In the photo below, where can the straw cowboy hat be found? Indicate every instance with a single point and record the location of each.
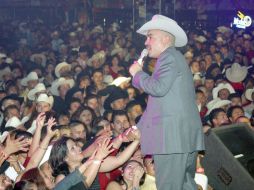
(45, 98)
(61, 66)
(220, 87)
(119, 80)
(216, 103)
(40, 87)
(31, 76)
(248, 94)
(160, 22)
(236, 73)
(100, 56)
(59, 82)
(40, 56)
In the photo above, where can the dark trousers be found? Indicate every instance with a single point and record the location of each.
(175, 171)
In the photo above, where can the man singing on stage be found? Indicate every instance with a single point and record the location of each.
(171, 129)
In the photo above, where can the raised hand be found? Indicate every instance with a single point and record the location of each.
(138, 173)
(40, 120)
(51, 123)
(16, 145)
(104, 149)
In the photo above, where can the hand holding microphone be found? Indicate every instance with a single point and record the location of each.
(137, 66)
(143, 54)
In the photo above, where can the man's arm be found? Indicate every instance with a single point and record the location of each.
(161, 80)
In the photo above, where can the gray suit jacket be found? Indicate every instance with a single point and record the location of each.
(171, 122)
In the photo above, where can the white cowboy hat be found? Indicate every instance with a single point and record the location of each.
(223, 29)
(9, 60)
(236, 73)
(248, 94)
(107, 79)
(41, 56)
(100, 56)
(200, 39)
(216, 103)
(2, 55)
(220, 87)
(45, 98)
(40, 87)
(59, 82)
(116, 51)
(4, 72)
(13, 122)
(166, 24)
(31, 76)
(119, 80)
(97, 29)
(59, 67)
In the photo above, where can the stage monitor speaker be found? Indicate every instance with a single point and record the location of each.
(229, 157)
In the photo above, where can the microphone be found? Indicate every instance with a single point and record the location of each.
(143, 54)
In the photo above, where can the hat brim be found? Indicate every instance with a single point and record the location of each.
(241, 75)
(166, 25)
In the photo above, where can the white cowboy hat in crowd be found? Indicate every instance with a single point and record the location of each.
(200, 39)
(216, 103)
(100, 56)
(119, 80)
(31, 76)
(61, 66)
(13, 122)
(108, 79)
(41, 56)
(4, 72)
(220, 87)
(160, 22)
(9, 60)
(59, 82)
(116, 51)
(248, 94)
(236, 73)
(45, 98)
(3, 55)
(40, 87)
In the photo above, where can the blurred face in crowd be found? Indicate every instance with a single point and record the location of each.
(223, 94)
(97, 78)
(74, 154)
(209, 84)
(120, 124)
(43, 107)
(78, 131)
(236, 101)
(31, 84)
(135, 111)
(220, 119)
(200, 99)
(63, 89)
(86, 117)
(118, 104)
(131, 93)
(237, 112)
(195, 67)
(157, 41)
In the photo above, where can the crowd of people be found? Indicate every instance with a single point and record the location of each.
(69, 111)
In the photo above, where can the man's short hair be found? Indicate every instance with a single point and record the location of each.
(214, 113)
